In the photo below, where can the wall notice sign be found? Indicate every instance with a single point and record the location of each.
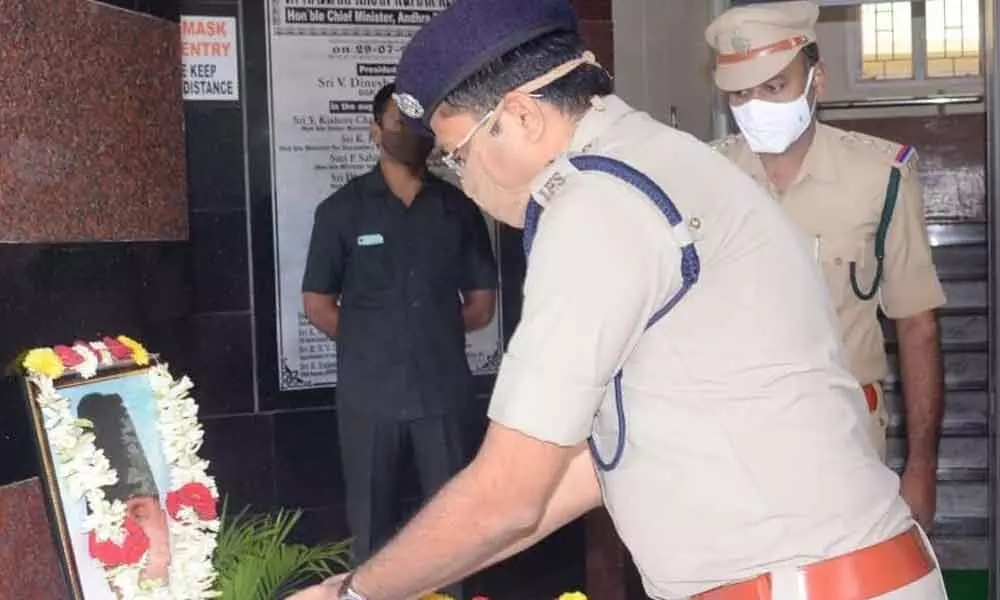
(328, 58)
(210, 58)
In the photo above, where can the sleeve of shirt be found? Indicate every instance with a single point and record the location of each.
(479, 267)
(602, 262)
(909, 282)
(325, 261)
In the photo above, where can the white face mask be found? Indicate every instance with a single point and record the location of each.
(771, 127)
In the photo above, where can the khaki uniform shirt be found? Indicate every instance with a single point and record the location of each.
(746, 444)
(837, 200)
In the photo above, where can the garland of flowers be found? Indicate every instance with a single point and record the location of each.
(115, 539)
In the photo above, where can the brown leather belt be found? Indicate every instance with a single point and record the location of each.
(866, 573)
(871, 396)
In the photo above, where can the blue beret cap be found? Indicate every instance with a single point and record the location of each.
(463, 39)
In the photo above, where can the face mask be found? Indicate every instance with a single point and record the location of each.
(407, 148)
(502, 203)
(771, 127)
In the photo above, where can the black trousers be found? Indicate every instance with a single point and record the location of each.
(372, 448)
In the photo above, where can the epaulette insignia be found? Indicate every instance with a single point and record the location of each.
(904, 154)
(551, 187)
(723, 144)
(894, 153)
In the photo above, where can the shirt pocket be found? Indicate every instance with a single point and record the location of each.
(847, 262)
(369, 276)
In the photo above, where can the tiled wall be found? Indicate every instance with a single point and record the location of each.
(188, 300)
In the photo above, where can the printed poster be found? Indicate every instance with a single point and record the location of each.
(210, 58)
(328, 58)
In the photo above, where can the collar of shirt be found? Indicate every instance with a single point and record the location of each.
(375, 183)
(595, 123)
(820, 162)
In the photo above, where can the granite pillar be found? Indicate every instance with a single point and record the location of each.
(29, 564)
(91, 124)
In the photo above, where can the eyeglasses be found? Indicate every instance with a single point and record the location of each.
(455, 162)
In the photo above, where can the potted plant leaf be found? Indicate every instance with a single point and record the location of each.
(255, 560)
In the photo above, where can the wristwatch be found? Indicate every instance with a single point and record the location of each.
(347, 592)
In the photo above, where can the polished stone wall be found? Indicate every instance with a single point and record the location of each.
(91, 139)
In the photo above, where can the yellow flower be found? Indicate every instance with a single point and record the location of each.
(436, 596)
(44, 361)
(573, 596)
(139, 354)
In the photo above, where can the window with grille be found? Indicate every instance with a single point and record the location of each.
(933, 39)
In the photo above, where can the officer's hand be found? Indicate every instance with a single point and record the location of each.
(919, 489)
(336, 580)
(327, 590)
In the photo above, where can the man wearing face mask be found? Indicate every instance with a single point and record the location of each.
(677, 359)
(858, 199)
(400, 266)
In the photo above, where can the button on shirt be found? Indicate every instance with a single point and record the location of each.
(747, 447)
(836, 200)
(399, 272)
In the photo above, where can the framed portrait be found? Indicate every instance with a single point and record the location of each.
(132, 506)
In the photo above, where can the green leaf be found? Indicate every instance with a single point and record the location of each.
(255, 560)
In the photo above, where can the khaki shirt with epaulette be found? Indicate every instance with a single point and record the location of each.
(746, 444)
(837, 201)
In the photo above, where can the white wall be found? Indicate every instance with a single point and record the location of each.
(661, 60)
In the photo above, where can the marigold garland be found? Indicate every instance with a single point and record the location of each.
(139, 354)
(44, 361)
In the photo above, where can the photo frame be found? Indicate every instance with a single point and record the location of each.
(132, 507)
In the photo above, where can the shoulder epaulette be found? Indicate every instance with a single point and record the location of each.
(892, 153)
(723, 144)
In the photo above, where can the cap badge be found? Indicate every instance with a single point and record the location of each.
(739, 43)
(409, 106)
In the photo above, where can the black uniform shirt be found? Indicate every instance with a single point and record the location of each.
(399, 271)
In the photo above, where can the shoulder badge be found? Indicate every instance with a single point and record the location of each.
(726, 144)
(904, 154)
(551, 187)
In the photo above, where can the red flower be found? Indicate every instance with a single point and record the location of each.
(130, 552)
(195, 495)
(69, 357)
(117, 349)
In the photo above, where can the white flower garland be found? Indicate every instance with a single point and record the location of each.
(86, 470)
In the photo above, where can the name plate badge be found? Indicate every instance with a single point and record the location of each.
(371, 239)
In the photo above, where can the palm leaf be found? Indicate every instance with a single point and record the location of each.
(255, 560)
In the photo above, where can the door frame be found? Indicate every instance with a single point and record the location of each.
(991, 50)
